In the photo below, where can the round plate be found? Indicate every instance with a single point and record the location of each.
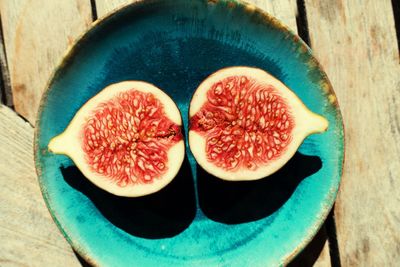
(197, 220)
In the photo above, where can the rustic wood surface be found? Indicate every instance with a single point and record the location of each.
(105, 6)
(36, 35)
(355, 42)
(357, 45)
(28, 235)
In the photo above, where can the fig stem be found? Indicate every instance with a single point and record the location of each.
(57, 145)
(318, 124)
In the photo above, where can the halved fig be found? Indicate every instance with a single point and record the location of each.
(245, 124)
(127, 139)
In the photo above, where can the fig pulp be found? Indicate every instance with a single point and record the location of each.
(127, 139)
(245, 124)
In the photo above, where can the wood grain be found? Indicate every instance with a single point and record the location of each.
(356, 43)
(28, 235)
(36, 34)
(284, 10)
(106, 6)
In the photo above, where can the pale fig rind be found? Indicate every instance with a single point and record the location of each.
(300, 123)
(71, 141)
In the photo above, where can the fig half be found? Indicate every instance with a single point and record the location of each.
(127, 139)
(245, 124)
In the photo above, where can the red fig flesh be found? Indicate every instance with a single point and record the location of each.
(245, 124)
(127, 139)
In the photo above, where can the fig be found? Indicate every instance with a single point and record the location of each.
(127, 139)
(244, 124)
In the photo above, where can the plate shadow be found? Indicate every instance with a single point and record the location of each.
(245, 201)
(160, 215)
(312, 252)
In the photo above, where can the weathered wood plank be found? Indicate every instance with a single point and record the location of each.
(284, 10)
(356, 43)
(36, 34)
(106, 6)
(28, 235)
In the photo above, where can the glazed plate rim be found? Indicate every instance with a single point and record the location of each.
(74, 48)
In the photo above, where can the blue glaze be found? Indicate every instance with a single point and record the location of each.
(176, 45)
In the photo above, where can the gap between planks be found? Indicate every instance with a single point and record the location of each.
(396, 15)
(330, 227)
(5, 86)
(357, 46)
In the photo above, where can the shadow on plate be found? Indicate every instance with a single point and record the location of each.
(156, 215)
(160, 215)
(240, 202)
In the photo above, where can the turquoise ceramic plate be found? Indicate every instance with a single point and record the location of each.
(197, 220)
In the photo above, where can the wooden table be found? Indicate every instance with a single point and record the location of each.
(354, 40)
